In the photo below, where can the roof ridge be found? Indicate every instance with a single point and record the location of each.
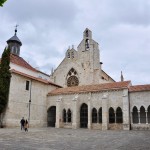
(21, 62)
(33, 78)
(139, 88)
(91, 88)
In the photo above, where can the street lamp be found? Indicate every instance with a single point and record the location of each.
(29, 103)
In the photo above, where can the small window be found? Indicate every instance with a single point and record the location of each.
(68, 54)
(87, 44)
(27, 85)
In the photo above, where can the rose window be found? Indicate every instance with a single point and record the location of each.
(72, 78)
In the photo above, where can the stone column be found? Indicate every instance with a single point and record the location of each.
(58, 112)
(126, 116)
(146, 117)
(139, 116)
(105, 111)
(75, 113)
(89, 111)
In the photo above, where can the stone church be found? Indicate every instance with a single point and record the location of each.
(77, 94)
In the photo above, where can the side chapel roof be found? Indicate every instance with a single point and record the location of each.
(91, 88)
(139, 88)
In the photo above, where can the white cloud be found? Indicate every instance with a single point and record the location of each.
(47, 28)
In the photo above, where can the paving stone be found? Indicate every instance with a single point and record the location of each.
(70, 139)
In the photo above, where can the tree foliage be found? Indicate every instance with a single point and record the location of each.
(2, 2)
(5, 77)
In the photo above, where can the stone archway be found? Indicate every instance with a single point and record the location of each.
(84, 116)
(51, 116)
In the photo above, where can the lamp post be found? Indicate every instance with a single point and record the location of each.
(29, 103)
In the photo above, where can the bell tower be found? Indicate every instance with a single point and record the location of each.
(88, 55)
(14, 43)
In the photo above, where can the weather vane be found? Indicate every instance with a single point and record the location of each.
(16, 28)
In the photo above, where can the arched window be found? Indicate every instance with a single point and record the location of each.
(142, 115)
(64, 115)
(94, 115)
(111, 115)
(135, 115)
(100, 115)
(69, 115)
(148, 114)
(119, 115)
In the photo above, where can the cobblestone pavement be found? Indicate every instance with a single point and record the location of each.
(71, 139)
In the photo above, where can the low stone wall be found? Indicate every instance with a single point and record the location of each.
(97, 126)
(67, 125)
(115, 126)
(140, 126)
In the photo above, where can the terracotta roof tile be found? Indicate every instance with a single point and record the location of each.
(91, 88)
(21, 62)
(138, 88)
(34, 78)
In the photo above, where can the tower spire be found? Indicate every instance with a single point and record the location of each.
(122, 78)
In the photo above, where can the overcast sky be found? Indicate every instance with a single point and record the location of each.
(48, 27)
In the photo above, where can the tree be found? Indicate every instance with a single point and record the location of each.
(2, 2)
(5, 77)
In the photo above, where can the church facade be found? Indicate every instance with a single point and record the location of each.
(77, 94)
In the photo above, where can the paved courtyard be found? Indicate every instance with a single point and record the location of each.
(70, 139)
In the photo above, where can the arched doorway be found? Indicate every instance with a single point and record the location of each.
(84, 116)
(111, 115)
(51, 116)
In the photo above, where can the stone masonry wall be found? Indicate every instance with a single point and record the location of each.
(18, 105)
(139, 99)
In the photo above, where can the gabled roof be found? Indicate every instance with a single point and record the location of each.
(34, 78)
(108, 75)
(139, 88)
(91, 88)
(20, 62)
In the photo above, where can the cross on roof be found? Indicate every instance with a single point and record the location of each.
(16, 28)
